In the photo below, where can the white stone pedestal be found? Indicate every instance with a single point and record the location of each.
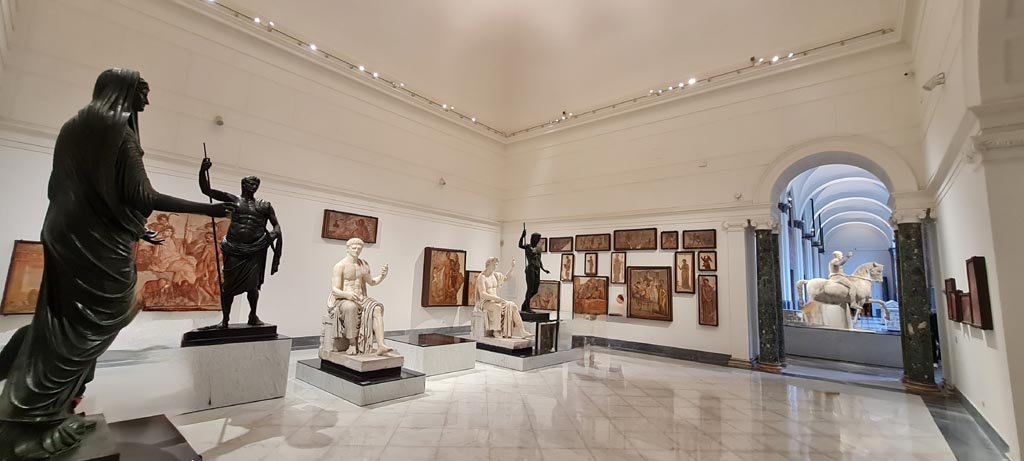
(360, 390)
(528, 362)
(364, 363)
(434, 353)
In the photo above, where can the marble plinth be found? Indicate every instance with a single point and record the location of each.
(364, 363)
(135, 384)
(528, 362)
(358, 389)
(505, 343)
(433, 353)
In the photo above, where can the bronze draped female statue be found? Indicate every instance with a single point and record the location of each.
(100, 197)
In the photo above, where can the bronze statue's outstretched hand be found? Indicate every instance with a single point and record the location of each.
(151, 237)
(546, 271)
(205, 166)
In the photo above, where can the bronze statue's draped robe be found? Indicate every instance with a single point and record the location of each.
(100, 198)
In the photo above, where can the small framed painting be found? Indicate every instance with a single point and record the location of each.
(444, 274)
(594, 242)
(590, 264)
(707, 302)
(548, 297)
(636, 239)
(560, 244)
(977, 283)
(339, 225)
(567, 268)
(684, 272)
(470, 286)
(699, 239)
(648, 293)
(542, 245)
(24, 277)
(618, 267)
(670, 240)
(707, 261)
(952, 300)
(590, 295)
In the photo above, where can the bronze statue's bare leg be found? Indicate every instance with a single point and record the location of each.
(254, 299)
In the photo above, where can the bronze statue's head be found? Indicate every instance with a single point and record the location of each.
(250, 184)
(534, 239)
(141, 99)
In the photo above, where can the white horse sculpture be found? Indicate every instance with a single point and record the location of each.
(830, 291)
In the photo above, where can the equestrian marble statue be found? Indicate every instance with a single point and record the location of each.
(849, 291)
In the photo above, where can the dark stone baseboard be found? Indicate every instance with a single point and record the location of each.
(978, 418)
(313, 342)
(712, 358)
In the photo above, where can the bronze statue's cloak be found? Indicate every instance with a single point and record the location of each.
(100, 198)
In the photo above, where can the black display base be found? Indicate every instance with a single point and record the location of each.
(234, 333)
(153, 438)
(362, 379)
(535, 316)
(524, 352)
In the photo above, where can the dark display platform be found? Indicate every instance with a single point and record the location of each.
(99, 445)
(535, 316)
(151, 439)
(234, 333)
(429, 339)
(361, 379)
(524, 352)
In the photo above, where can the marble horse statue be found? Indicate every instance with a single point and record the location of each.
(851, 291)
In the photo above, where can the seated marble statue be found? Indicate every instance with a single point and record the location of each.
(501, 316)
(354, 322)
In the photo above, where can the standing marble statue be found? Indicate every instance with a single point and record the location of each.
(533, 266)
(100, 197)
(245, 245)
(501, 317)
(354, 322)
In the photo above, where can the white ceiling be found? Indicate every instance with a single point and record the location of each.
(843, 196)
(515, 63)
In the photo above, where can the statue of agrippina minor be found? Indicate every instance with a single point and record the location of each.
(245, 246)
(100, 197)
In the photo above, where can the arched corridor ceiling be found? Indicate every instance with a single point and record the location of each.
(845, 198)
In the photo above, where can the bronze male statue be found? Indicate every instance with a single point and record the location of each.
(533, 266)
(245, 246)
(100, 197)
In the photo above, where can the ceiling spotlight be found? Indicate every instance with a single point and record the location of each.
(670, 87)
(473, 119)
(362, 68)
(375, 75)
(401, 85)
(681, 85)
(650, 92)
(570, 114)
(790, 55)
(444, 106)
(775, 58)
(692, 80)
(759, 61)
(312, 46)
(256, 20)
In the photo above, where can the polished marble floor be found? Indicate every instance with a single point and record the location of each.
(609, 406)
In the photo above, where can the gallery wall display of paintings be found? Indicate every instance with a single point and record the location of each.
(24, 275)
(974, 307)
(560, 244)
(618, 267)
(444, 274)
(707, 261)
(684, 272)
(470, 287)
(670, 240)
(707, 300)
(594, 242)
(699, 239)
(590, 295)
(567, 268)
(548, 297)
(339, 225)
(636, 239)
(590, 264)
(648, 295)
(181, 274)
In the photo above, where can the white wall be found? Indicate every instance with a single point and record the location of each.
(316, 139)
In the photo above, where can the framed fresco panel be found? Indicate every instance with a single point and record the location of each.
(590, 264)
(977, 283)
(560, 244)
(180, 274)
(618, 267)
(707, 261)
(594, 242)
(339, 225)
(952, 300)
(636, 239)
(590, 295)
(567, 268)
(670, 240)
(542, 245)
(684, 269)
(707, 302)
(470, 286)
(444, 274)
(699, 239)
(648, 292)
(548, 297)
(24, 277)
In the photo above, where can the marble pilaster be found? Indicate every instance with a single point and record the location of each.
(915, 308)
(769, 308)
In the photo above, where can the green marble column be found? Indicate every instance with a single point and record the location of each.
(915, 309)
(769, 297)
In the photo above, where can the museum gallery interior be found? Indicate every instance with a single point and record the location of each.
(511, 230)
